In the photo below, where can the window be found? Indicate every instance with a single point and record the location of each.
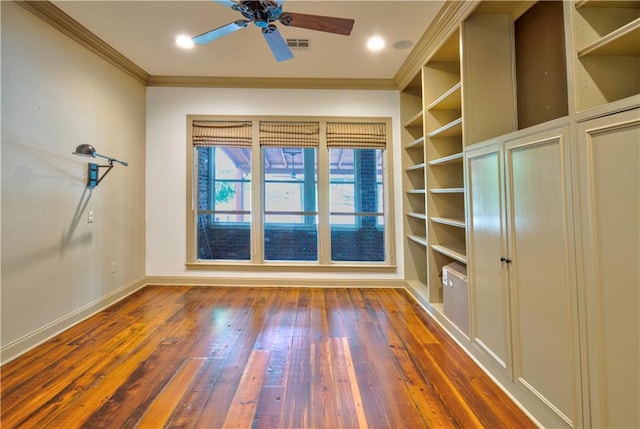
(290, 177)
(289, 192)
(357, 215)
(222, 152)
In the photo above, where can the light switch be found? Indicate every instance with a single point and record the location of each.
(90, 216)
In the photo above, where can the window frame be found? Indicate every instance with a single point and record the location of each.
(257, 262)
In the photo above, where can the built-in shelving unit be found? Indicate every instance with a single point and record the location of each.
(607, 51)
(444, 167)
(414, 184)
(505, 100)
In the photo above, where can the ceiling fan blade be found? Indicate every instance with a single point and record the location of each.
(327, 24)
(276, 42)
(220, 31)
(228, 3)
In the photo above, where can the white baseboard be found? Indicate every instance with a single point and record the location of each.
(24, 344)
(274, 282)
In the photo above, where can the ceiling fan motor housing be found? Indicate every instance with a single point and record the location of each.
(261, 13)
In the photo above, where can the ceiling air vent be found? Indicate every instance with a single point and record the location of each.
(298, 43)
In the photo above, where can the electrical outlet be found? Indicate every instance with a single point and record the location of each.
(113, 267)
(90, 216)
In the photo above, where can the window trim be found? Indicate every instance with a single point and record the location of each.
(257, 262)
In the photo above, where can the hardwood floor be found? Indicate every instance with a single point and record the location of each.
(182, 357)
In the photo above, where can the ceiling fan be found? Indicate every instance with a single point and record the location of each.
(264, 13)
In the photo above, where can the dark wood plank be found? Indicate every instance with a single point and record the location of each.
(193, 357)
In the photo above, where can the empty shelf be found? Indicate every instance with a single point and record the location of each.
(457, 252)
(420, 240)
(449, 221)
(447, 191)
(417, 215)
(453, 128)
(621, 42)
(417, 143)
(416, 167)
(416, 191)
(415, 121)
(451, 159)
(450, 100)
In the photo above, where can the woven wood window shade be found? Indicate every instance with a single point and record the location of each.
(222, 133)
(356, 135)
(289, 134)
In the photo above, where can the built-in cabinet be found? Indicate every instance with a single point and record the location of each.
(608, 158)
(489, 292)
(528, 172)
(522, 266)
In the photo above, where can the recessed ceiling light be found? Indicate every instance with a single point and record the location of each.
(375, 43)
(184, 42)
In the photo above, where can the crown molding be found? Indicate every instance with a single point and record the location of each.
(452, 13)
(55, 17)
(278, 83)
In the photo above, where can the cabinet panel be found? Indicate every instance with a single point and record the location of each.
(609, 164)
(542, 275)
(488, 285)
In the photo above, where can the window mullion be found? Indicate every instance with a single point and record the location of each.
(257, 196)
(324, 229)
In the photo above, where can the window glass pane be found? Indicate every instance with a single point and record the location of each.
(289, 241)
(224, 203)
(357, 205)
(361, 242)
(284, 196)
(218, 240)
(290, 204)
(343, 201)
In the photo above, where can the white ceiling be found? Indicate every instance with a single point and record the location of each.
(145, 32)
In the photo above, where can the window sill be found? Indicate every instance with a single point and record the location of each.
(294, 267)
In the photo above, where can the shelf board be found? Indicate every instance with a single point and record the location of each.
(625, 4)
(415, 121)
(417, 143)
(450, 100)
(457, 252)
(417, 215)
(416, 191)
(448, 221)
(622, 42)
(451, 159)
(447, 191)
(453, 128)
(416, 167)
(420, 240)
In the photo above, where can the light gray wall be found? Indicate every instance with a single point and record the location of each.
(56, 267)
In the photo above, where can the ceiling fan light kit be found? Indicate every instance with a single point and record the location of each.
(264, 14)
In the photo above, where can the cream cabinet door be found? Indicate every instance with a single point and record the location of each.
(609, 172)
(487, 243)
(542, 273)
